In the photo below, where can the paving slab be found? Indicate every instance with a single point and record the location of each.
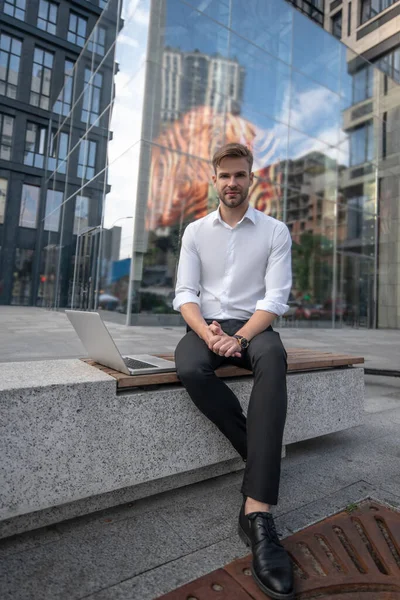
(85, 561)
(148, 586)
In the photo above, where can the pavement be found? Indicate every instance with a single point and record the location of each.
(28, 333)
(144, 549)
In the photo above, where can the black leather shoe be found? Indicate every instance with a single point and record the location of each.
(271, 567)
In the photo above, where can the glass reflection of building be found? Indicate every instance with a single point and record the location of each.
(158, 87)
(192, 79)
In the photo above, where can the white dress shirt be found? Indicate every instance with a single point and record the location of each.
(237, 270)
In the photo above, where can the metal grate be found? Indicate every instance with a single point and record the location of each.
(352, 555)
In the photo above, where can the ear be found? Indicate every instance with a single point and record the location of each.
(251, 178)
(214, 180)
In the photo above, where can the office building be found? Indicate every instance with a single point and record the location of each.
(372, 29)
(47, 59)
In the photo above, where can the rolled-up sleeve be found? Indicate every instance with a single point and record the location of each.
(278, 276)
(188, 279)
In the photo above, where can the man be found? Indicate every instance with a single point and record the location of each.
(234, 278)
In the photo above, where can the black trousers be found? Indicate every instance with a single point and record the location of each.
(259, 439)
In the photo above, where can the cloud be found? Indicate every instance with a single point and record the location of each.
(314, 123)
(128, 41)
(142, 16)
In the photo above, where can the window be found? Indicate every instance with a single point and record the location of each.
(47, 16)
(21, 292)
(77, 29)
(81, 219)
(36, 143)
(97, 41)
(87, 159)
(15, 8)
(356, 217)
(362, 84)
(62, 105)
(337, 25)
(29, 206)
(371, 8)
(91, 97)
(58, 151)
(102, 3)
(312, 8)
(54, 200)
(349, 18)
(384, 135)
(3, 198)
(41, 78)
(390, 64)
(6, 132)
(10, 52)
(362, 144)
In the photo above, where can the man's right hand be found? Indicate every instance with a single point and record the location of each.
(213, 334)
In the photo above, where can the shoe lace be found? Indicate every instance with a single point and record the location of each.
(267, 526)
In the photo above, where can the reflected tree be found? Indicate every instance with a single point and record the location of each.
(312, 265)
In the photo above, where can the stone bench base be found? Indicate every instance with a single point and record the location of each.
(70, 445)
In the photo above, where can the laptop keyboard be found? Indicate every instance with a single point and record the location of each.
(132, 363)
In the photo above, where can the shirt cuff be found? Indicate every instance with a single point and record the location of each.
(183, 298)
(274, 307)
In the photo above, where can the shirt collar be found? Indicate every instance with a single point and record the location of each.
(250, 214)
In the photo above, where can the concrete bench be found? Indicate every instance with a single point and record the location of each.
(75, 439)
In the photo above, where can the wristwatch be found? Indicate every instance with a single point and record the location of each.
(243, 343)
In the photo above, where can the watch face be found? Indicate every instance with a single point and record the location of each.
(243, 343)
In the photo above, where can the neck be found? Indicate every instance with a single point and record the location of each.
(232, 216)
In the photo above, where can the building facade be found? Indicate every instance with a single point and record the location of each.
(42, 70)
(175, 81)
(372, 29)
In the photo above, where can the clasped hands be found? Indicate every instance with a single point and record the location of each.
(220, 342)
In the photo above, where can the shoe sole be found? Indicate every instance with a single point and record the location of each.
(264, 588)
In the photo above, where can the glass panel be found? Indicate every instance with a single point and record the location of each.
(22, 271)
(255, 80)
(43, 9)
(53, 203)
(188, 30)
(267, 25)
(3, 198)
(315, 109)
(218, 10)
(29, 206)
(81, 218)
(315, 52)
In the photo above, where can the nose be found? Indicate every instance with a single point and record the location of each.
(232, 181)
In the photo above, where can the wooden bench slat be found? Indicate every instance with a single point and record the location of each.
(299, 359)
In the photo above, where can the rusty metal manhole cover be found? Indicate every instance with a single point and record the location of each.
(354, 555)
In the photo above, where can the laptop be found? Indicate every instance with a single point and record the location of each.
(101, 348)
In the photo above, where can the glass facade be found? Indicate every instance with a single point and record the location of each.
(161, 84)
